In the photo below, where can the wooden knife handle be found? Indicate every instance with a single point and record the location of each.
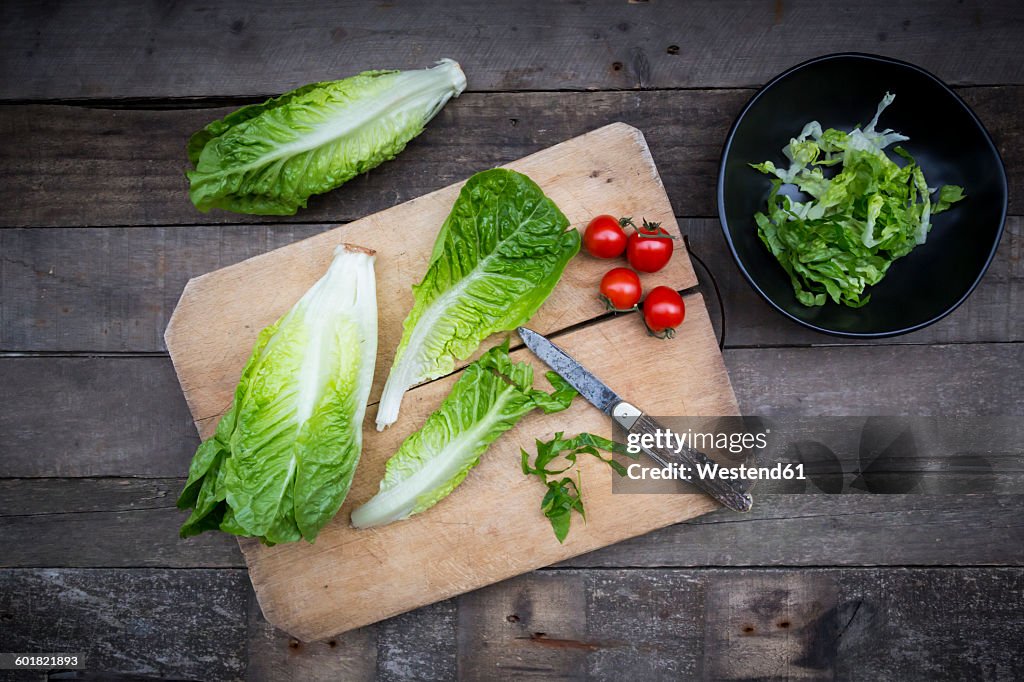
(636, 422)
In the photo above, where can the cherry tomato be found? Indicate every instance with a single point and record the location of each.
(649, 248)
(604, 237)
(664, 310)
(620, 289)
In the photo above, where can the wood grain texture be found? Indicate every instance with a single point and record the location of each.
(56, 413)
(814, 530)
(418, 646)
(74, 50)
(103, 523)
(87, 168)
(744, 624)
(883, 380)
(204, 625)
(214, 326)
(120, 619)
(56, 427)
(113, 289)
(668, 624)
(132, 523)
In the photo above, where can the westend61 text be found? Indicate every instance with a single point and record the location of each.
(714, 471)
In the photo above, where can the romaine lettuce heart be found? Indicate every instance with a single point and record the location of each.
(270, 158)
(282, 459)
(498, 256)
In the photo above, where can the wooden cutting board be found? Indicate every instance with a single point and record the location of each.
(491, 527)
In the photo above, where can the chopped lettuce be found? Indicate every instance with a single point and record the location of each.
(857, 221)
(270, 158)
(496, 259)
(282, 458)
(492, 394)
(564, 494)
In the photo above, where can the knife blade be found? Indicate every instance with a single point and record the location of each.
(578, 376)
(632, 419)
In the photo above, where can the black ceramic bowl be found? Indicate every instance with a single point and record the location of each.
(946, 139)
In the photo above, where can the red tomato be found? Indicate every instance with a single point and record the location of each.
(649, 248)
(620, 289)
(664, 310)
(604, 237)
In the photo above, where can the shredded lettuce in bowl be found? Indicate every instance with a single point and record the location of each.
(857, 221)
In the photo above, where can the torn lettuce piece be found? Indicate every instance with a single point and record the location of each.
(490, 397)
(564, 494)
(270, 158)
(282, 458)
(857, 221)
(498, 256)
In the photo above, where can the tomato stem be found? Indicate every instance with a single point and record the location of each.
(611, 306)
(669, 333)
(651, 231)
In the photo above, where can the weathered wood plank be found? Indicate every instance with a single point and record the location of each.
(274, 655)
(745, 624)
(86, 167)
(103, 522)
(861, 530)
(93, 417)
(113, 289)
(76, 50)
(980, 380)
(659, 624)
(416, 646)
(537, 626)
(41, 497)
(184, 624)
(204, 625)
(71, 416)
(133, 523)
(92, 166)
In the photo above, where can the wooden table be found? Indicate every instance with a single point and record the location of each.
(99, 238)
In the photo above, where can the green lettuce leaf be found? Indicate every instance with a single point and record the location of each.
(490, 397)
(497, 257)
(281, 460)
(857, 222)
(565, 495)
(270, 158)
